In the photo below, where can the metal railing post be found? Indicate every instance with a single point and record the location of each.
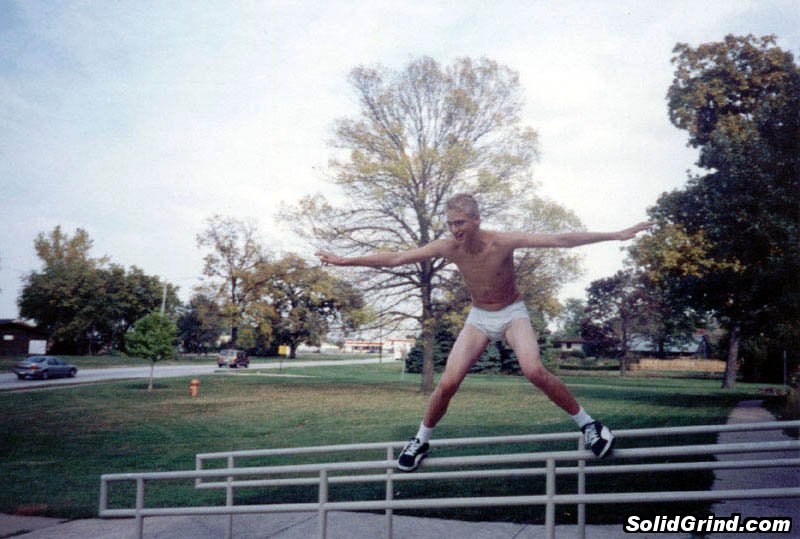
(581, 490)
(198, 465)
(550, 508)
(229, 500)
(103, 494)
(389, 493)
(139, 507)
(323, 500)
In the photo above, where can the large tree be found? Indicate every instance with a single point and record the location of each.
(670, 262)
(127, 296)
(233, 266)
(421, 134)
(200, 324)
(62, 297)
(85, 303)
(307, 300)
(739, 101)
(615, 312)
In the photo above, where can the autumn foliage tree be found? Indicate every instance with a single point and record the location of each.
(615, 311)
(308, 301)
(421, 134)
(739, 102)
(233, 263)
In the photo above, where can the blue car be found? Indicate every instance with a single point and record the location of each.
(43, 367)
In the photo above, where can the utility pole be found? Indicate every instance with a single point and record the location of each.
(785, 377)
(164, 300)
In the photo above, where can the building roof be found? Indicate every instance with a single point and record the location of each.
(23, 327)
(19, 323)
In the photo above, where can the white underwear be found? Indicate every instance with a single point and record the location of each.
(494, 324)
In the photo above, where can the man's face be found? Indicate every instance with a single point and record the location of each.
(461, 225)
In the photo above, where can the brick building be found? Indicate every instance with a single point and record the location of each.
(19, 338)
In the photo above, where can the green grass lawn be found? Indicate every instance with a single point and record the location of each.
(55, 444)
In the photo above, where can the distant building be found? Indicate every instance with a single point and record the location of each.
(20, 338)
(364, 347)
(697, 346)
(323, 348)
(568, 344)
(396, 347)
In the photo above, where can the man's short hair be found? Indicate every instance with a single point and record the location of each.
(463, 202)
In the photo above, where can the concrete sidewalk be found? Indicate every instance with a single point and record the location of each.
(305, 526)
(343, 525)
(754, 412)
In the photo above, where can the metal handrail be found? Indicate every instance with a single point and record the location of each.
(550, 499)
(480, 460)
(519, 439)
(515, 472)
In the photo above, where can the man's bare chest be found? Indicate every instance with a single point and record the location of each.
(486, 267)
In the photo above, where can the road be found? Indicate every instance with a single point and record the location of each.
(11, 382)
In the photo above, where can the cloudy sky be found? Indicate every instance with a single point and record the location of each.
(137, 120)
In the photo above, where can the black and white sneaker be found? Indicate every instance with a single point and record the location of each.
(412, 455)
(598, 438)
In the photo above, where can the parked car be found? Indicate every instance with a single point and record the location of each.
(233, 358)
(44, 367)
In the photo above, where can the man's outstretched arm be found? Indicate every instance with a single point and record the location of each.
(385, 259)
(574, 239)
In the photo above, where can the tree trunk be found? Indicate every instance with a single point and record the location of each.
(732, 363)
(234, 335)
(623, 361)
(426, 386)
(152, 368)
(293, 351)
(623, 364)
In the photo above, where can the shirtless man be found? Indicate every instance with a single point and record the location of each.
(485, 259)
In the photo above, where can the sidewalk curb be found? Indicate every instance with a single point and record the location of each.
(14, 525)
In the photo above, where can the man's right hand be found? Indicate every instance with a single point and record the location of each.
(327, 257)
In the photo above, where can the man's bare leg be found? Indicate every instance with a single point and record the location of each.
(469, 346)
(522, 338)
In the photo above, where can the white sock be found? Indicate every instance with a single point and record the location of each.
(424, 433)
(582, 418)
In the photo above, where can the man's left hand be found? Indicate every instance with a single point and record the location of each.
(631, 232)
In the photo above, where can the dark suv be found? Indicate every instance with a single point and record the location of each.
(233, 358)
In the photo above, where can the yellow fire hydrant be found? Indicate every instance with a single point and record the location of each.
(194, 387)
